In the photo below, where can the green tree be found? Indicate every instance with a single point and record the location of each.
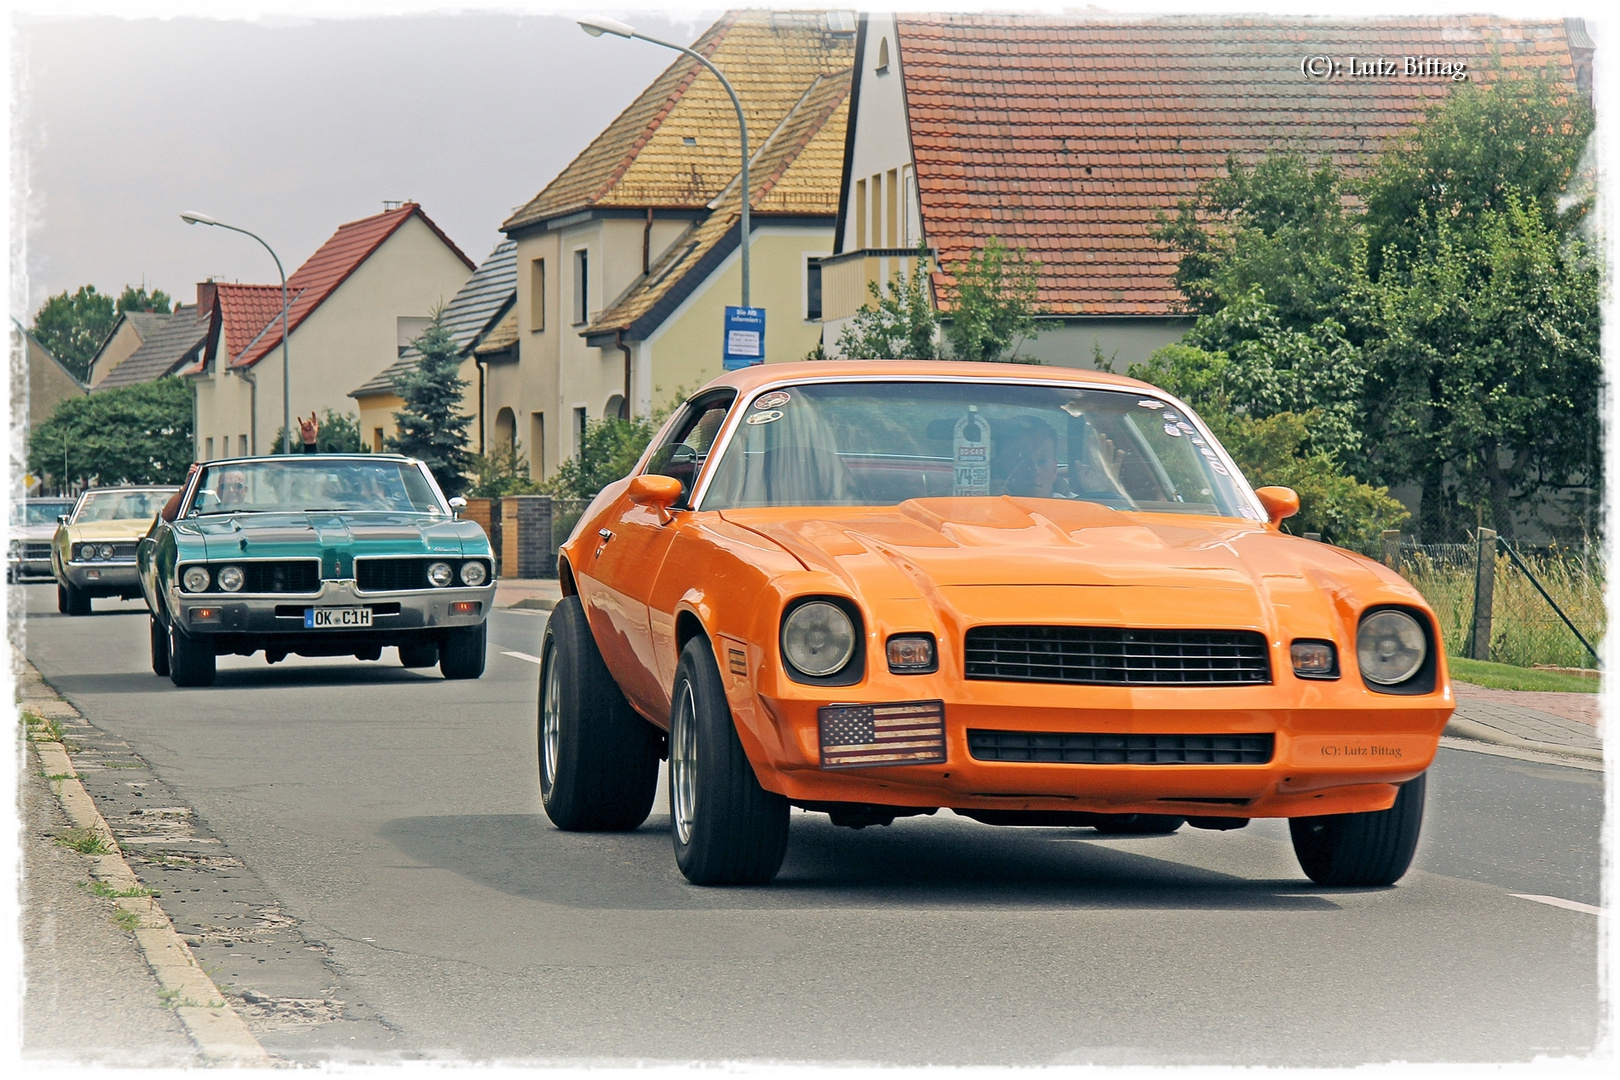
(993, 306)
(137, 434)
(136, 298)
(1488, 374)
(1519, 137)
(502, 471)
(609, 449)
(431, 425)
(1281, 226)
(72, 327)
(899, 321)
(1280, 447)
(339, 434)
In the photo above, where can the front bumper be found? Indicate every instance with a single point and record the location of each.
(1336, 747)
(110, 576)
(280, 616)
(18, 567)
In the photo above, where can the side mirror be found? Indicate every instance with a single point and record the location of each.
(1280, 503)
(61, 519)
(457, 505)
(652, 489)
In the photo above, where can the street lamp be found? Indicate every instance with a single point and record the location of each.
(597, 25)
(191, 218)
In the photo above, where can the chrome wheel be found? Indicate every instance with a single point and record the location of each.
(550, 720)
(683, 764)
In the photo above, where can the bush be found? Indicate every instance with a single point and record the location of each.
(609, 449)
(502, 471)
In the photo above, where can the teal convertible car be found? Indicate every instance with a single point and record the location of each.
(317, 555)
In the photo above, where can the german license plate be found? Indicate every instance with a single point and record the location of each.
(336, 618)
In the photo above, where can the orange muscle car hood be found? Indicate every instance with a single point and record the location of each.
(951, 543)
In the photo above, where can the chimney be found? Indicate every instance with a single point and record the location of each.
(206, 291)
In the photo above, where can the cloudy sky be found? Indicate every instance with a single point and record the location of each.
(290, 128)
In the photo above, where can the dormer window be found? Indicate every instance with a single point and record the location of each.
(883, 57)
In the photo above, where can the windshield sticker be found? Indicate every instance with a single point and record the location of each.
(1171, 429)
(1186, 427)
(1218, 467)
(1207, 452)
(1196, 441)
(774, 400)
(1149, 403)
(765, 417)
(971, 446)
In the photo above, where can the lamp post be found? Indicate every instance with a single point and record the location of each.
(286, 378)
(597, 25)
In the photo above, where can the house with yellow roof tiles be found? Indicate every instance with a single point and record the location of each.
(627, 260)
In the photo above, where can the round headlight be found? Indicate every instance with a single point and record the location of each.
(439, 574)
(473, 573)
(87, 551)
(818, 638)
(230, 578)
(107, 551)
(1390, 647)
(195, 579)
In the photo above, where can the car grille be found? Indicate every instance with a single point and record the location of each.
(121, 552)
(37, 549)
(292, 576)
(1081, 748)
(1105, 656)
(397, 575)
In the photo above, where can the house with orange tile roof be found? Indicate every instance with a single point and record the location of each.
(354, 305)
(627, 259)
(1066, 136)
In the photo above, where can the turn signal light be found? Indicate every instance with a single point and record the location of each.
(912, 654)
(1315, 659)
(465, 607)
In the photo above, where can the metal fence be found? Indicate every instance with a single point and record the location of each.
(1521, 604)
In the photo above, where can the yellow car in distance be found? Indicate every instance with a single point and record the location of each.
(93, 552)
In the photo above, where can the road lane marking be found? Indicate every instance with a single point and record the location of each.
(522, 656)
(1558, 901)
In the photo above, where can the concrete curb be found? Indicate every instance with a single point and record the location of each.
(1469, 729)
(208, 1018)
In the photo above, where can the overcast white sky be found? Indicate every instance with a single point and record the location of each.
(291, 129)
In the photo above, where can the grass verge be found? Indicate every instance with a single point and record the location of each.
(1508, 677)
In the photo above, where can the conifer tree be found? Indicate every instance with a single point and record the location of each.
(432, 426)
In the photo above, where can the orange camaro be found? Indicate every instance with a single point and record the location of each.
(1033, 596)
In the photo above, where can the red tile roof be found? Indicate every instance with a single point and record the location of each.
(1065, 136)
(245, 313)
(328, 268)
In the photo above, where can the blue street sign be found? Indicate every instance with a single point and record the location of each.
(745, 337)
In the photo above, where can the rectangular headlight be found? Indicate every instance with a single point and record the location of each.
(912, 654)
(1314, 659)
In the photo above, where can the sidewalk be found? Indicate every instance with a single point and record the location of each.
(1564, 724)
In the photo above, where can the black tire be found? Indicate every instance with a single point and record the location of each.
(462, 656)
(191, 660)
(598, 760)
(1368, 849)
(72, 600)
(1139, 824)
(727, 829)
(420, 654)
(160, 646)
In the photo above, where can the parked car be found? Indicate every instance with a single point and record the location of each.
(316, 555)
(1034, 596)
(33, 524)
(93, 551)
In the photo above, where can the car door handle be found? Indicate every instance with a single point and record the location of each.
(606, 535)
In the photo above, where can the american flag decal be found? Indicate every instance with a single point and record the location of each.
(902, 733)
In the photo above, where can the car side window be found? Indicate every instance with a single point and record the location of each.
(683, 453)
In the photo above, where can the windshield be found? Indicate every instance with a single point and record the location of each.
(45, 513)
(877, 444)
(294, 485)
(120, 505)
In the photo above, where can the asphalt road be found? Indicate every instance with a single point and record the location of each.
(399, 893)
